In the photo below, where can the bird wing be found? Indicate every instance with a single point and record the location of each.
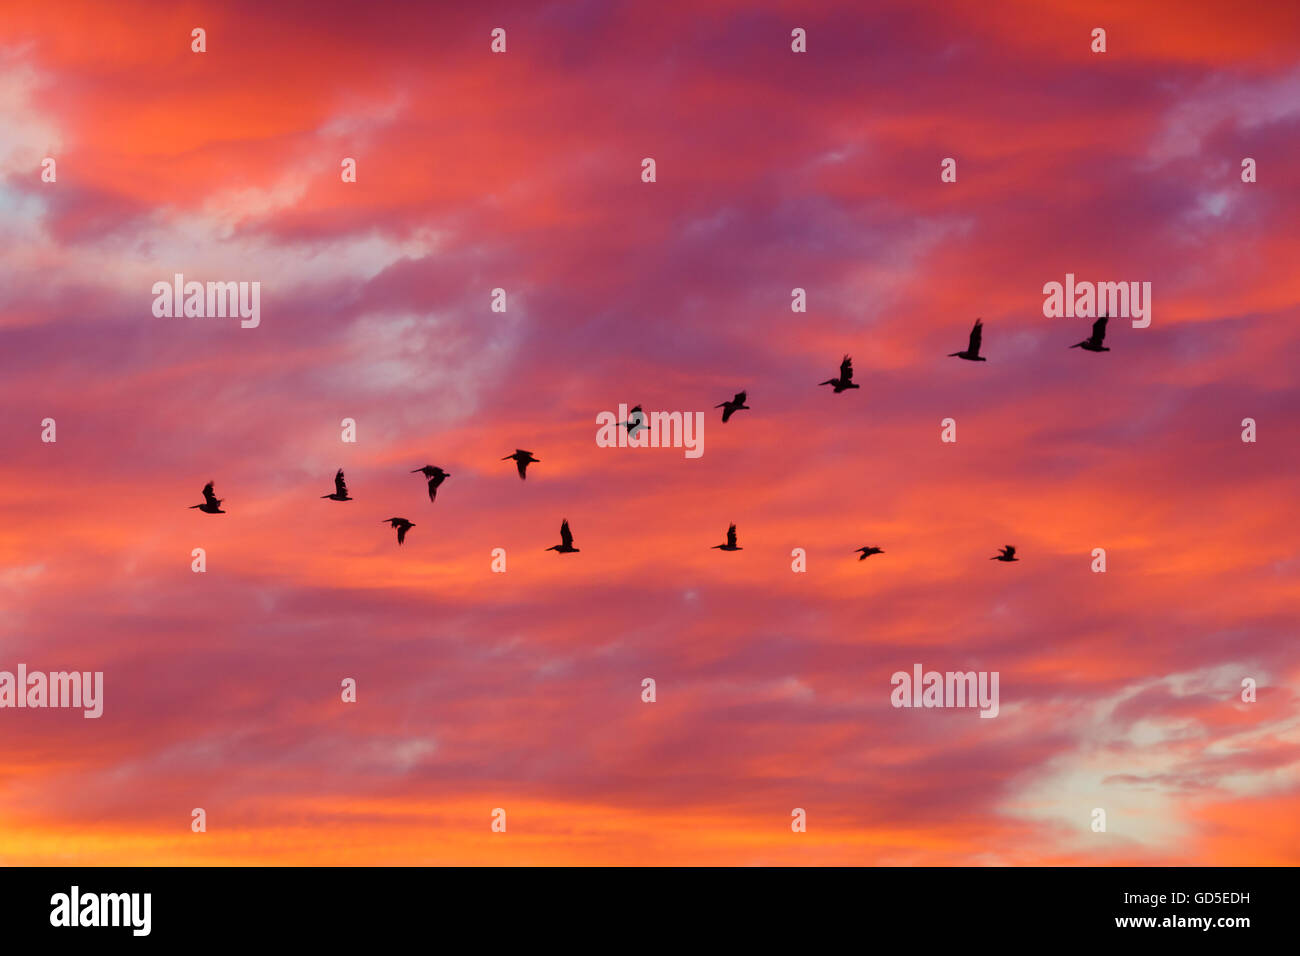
(846, 369)
(521, 464)
(208, 496)
(1099, 329)
(739, 399)
(731, 536)
(1010, 550)
(566, 536)
(401, 532)
(976, 336)
(340, 486)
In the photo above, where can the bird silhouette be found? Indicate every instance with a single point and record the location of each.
(1008, 554)
(436, 477)
(211, 503)
(972, 353)
(733, 406)
(340, 489)
(566, 540)
(1093, 342)
(402, 526)
(731, 541)
(868, 552)
(846, 377)
(522, 460)
(635, 420)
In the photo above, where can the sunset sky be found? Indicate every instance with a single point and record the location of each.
(522, 690)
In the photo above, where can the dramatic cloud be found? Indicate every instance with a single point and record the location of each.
(521, 690)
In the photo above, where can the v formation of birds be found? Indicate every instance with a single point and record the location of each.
(434, 475)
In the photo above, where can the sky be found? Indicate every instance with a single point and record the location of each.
(522, 690)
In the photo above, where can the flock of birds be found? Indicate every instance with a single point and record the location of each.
(435, 476)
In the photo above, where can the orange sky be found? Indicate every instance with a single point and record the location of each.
(522, 690)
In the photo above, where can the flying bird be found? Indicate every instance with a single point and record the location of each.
(522, 460)
(436, 477)
(1008, 554)
(733, 406)
(731, 541)
(1093, 342)
(972, 353)
(211, 503)
(846, 377)
(566, 540)
(635, 420)
(402, 526)
(340, 489)
(868, 552)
